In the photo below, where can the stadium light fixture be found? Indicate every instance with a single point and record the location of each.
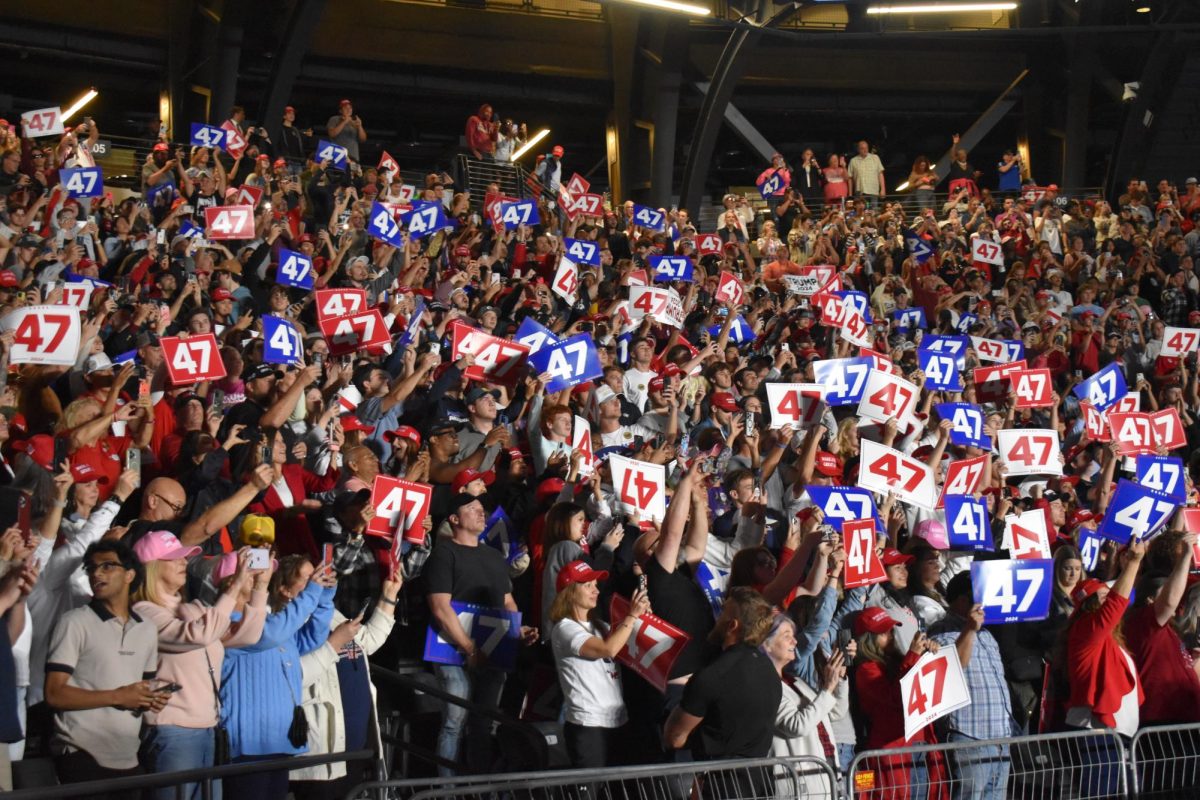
(902, 187)
(672, 5)
(525, 148)
(80, 103)
(941, 8)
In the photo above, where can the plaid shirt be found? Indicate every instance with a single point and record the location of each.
(989, 716)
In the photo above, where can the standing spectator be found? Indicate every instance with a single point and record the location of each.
(877, 675)
(837, 183)
(481, 134)
(292, 143)
(192, 638)
(808, 180)
(98, 672)
(261, 687)
(731, 704)
(921, 182)
(346, 129)
(778, 169)
(802, 725)
(460, 569)
(549, 171)
(339, 698)
(866, 176)
(584, 649)
(1162, 661)
(1010, 173)
(982, 770)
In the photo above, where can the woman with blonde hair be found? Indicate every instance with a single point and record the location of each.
(191, 649)
(584, 652)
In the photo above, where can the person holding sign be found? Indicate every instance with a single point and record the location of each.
(585, 650)
(982, 771)
(877, 675)
(461, 569)
(1104, 689)
(1156, 647)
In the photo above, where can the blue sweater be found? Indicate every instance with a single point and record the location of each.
(256, 705)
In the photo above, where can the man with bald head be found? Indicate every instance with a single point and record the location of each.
(164, 502)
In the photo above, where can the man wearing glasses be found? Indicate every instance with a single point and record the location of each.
(99, 672)
(164, 503)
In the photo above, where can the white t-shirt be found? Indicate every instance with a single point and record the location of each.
(637, 386)
(591, 687)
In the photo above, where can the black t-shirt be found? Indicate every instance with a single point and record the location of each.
(476, 574)
(678, 599)
(738, 696)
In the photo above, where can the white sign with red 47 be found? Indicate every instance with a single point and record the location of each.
(797, 404)
(44, 335)
(986, 251)
(1030, 451)
(883, 470)
(42, 122)
(1178, 342)
(888, 396)
(194, 359)
(934, 687)
(640, 486)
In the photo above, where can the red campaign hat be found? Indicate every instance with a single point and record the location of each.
(669, 370)
(86, 473)
(891, 557)
(873, 620)
(1163, 365)
(8, 279)
(577, 572)
(462, 250)
(404, 432)
(1194, 317)
(280, 163)
(1079, 517)
(40, 448)
(344, 102)
(829, 464)
(516, 452)
(657, 384)
(161, 147)
(350, 422)
(1085, 589)
(263, 157)
(724, 401)
(470, 474)
(558, 151)
(220, 294)
(286, 109)
(548, 488)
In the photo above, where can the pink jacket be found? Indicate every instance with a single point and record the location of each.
(186, 633)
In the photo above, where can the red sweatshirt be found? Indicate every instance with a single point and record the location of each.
(1098, 671)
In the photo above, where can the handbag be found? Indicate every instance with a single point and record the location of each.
(298, 730)
(221, 748)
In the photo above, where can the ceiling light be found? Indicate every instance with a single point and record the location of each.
(537, 137)
(80, 103)
(1142, 9)
(672, 5)
(941, 8)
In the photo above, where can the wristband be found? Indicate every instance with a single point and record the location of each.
(387, 600)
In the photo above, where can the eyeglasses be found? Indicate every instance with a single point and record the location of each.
(103, 566)
(176, 507)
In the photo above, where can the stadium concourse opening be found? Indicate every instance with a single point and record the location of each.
(396, 401)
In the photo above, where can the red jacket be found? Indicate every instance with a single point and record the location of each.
(1098, 671)
(292, 534)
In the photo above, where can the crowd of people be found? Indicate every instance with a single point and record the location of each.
(149, 628)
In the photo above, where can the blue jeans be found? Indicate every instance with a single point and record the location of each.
(176, 749)
(918, 776)
(981, 772)
(845, 754)
(478, 686)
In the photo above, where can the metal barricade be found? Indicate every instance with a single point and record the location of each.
(1078, 765)
(753, 779)
(1164, 762)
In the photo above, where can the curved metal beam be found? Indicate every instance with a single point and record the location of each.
(300, 27)
(725, 78)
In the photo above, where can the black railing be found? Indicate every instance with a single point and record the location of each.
(132, 786)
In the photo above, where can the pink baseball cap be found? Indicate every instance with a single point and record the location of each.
(162, 546)
(934, 532)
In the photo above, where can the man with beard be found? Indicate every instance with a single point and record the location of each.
(731, 703)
